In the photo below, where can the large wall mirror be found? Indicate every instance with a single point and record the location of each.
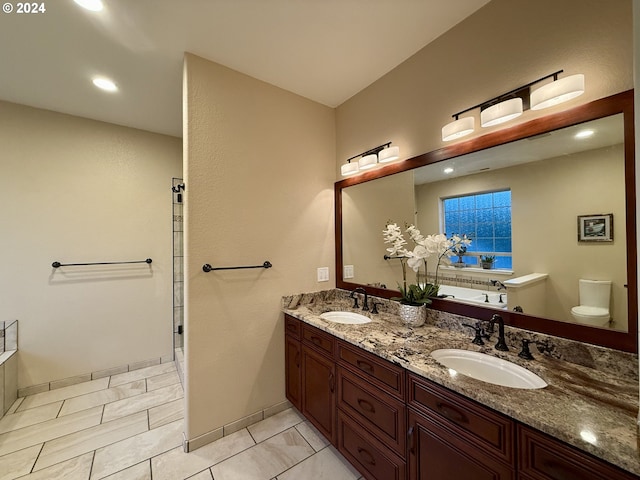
(553, 199)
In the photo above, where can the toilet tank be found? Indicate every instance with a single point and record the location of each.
(595, 293)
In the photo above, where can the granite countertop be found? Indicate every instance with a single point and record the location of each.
(593, 409)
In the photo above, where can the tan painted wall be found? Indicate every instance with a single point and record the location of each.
(366, 209)
(77, 190)
(546, 198)
(259, 178)
(504, 45)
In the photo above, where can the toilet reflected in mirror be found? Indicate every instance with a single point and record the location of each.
(594, 303)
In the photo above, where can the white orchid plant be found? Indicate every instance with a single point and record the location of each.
(437, 245)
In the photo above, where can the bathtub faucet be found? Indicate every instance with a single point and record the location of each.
(499, 284)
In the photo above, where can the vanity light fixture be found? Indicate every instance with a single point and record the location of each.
(370, 159)
(458, 128)
(557, 91)
(501, 112)
(512, 104)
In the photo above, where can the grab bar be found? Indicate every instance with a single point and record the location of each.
(208, 268)
(58, 264)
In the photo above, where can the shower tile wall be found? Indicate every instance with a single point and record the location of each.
(178, 266)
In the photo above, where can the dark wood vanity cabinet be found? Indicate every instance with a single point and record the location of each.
(542, 457)
(310, 377)
(395, 425)
(452, 438)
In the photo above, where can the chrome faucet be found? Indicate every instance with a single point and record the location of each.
(499, 284)
(501, 345)
(365, 307)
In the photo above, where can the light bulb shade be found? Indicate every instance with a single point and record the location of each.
(349, 169)
(368, 161)
(501, 112)
(458, 128)
(389, 154)
(557, 92)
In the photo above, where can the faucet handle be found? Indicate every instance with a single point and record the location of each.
(374, 308)
(525, 352)
(477, 340)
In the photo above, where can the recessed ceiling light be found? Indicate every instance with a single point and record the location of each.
(105, 84)
(584, 133)
(93, 5)
(448, 170)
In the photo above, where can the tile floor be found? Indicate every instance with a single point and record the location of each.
(129, 427)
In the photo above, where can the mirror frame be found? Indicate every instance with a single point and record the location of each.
(618, 103)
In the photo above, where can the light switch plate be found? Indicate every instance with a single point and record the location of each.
(323, 274)
(348, 271)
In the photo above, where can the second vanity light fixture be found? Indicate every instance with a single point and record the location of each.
(384, 153)
(510, 105)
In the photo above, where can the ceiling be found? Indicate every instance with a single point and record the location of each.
(324, 50)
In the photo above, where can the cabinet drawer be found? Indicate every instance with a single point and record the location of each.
(380, 413)
(292, 326)
(369, 456)
(318, 339)
(387, 376)
(478, 424)
(545, 458)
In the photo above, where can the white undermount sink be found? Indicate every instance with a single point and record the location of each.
(351, 318)
(488, 369)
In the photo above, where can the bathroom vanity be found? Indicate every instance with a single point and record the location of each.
(375, 393)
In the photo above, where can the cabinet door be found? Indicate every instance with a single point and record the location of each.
(436, 453)
(293, 371)
(318, 391)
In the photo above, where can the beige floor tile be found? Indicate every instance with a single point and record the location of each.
(62, 393)
(102, 397)
(275, 424)
(45, 431)
(141, 471)
(69, 446)
(15, 406)
(312, 435)
(18, 463)
(205, 475)
(136, 449)
(166, 413)
(177, 464)
(134, 375)
(18, 420)
(75, 469)
(327, 464)
(141, 402)
(164, 380)
(265, 460)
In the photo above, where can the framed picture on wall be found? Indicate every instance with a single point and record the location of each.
(595, 228)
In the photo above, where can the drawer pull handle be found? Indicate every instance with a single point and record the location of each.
(366, 456)
(562, 470)
(332, 382)
(412, 440)
(365, 405)
(451, 413)
(362, 365)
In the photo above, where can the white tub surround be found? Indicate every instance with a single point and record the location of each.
(528, 292)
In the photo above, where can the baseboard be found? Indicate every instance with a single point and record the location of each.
(218, 433)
